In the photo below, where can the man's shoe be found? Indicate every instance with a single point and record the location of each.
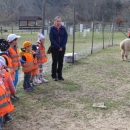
(17, 98)
(7, 119)
(55, 78)
(28, 89)
(60, 78)
(13, 98)
(34, 84)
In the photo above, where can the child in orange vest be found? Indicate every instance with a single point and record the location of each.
(35, 71)
(8, 79)
(9, 86)
(27, 64)
(5, 103)
(13, 53)
(4, 45)
(41, 54)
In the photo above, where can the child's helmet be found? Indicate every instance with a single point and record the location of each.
(4, 45)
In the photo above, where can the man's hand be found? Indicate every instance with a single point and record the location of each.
(60, 49)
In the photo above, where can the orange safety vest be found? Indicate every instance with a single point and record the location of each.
(36, 68)
(29, 65)
(11, 70)
(5, 103)
(42, 55)
(14, 55)
(7, 74)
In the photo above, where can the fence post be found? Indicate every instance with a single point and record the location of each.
(31, 30)
(22, 30)
(93, 25)
(1, 30)
(12, 29)
(73, 35)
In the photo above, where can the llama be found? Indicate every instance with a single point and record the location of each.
(125, 47)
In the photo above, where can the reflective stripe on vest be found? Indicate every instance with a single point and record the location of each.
(42, 56)
(16, 68)
(42, 52)
(7, 89)
(28, 66)
(9, 95)
(15, 60)
(2, 97)
(4, 104)
(35, 69)
(14, 56)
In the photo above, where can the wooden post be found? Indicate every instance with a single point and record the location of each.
(31, 30)
(73, 35)
(43, 16)
(1, 30)
(93, 26)
(103, 30)
(12, 29)
(19, 23)
(112, 32)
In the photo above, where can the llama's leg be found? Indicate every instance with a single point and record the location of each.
(123, 54)
(126, 55)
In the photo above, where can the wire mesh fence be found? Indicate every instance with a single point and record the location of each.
(83, 37)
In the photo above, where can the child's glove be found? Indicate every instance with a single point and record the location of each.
(22, 61)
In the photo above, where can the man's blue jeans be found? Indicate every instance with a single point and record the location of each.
(16, 78)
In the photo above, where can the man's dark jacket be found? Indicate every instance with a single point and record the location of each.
(58, 37)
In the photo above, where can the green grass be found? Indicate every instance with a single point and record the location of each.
(61, 103)
(100, 77)
(71, 88)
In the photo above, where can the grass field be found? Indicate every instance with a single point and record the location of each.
(67, 105)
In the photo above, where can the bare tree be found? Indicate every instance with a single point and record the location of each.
(10, 11)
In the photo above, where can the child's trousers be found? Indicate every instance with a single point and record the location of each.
(32, 78)
(40, 71)
(26, 82)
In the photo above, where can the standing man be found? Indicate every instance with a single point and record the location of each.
(58, 38)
